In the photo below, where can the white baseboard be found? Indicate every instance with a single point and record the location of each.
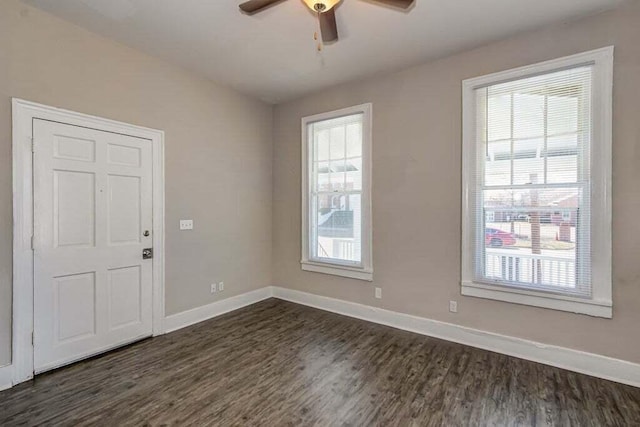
(573, 360)
(6, 376)
(199, 314)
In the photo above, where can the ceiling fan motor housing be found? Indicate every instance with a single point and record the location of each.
(321, 5)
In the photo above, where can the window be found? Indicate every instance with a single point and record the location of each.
(537, 185)
(336, 188)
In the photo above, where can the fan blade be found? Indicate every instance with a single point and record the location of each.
(404, 4)
(253, 6)
(328, 26)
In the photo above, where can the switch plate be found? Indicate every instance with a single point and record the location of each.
(379, 293)
(186, 224)
(453, 306)
(221, 286)
(214, 288)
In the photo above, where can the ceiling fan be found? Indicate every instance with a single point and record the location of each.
(325, 10)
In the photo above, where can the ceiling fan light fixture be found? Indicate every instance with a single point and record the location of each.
(325, 10)
(321, 5)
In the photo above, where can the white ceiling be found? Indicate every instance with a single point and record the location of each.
(272, 55)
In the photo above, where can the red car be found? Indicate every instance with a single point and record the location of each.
(498, 238)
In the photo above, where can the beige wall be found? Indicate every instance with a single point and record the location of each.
(218, 150)
(219, 161)
(417, 189)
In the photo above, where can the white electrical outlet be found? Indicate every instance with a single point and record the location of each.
(379, 293)
(221, 286)
(453, 306)
(214, 288)
(186, 224)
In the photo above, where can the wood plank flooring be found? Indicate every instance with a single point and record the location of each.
(276, 364)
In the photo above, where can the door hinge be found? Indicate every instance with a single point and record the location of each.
(32, 243)
(33, 338)
(33, 147)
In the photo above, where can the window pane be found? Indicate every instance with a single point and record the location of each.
(563, 114)
(337, 142)
(497, 168)
(528, 115)
(499, 117)
(339, 227)
(322, 177)
(354, 174)
(531, 236)
(528, 161)
(354, 140)
(322, 145)
(337, 176)
(562, 169)
(562, 159)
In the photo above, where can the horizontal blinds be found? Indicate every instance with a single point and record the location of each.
(337, 122)
(532, 193)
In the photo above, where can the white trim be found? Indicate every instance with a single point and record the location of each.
(209, 311)
(364, 270)
(6, 377)
(521, 296)
(24, 112)
(573, 360)
(600, 304)
(338, 270)
(602, 55)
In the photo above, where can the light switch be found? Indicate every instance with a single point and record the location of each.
(186, 224)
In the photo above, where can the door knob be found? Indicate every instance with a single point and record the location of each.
(147, 253)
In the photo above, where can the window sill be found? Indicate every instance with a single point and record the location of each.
(539, 299)
(338, 270)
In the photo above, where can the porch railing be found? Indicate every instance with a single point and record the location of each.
(531, 269)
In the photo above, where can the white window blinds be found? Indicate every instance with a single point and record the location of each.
(531, 198)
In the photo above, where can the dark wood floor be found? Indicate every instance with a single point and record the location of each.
(277, 363)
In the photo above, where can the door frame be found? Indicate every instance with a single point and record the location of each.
(23, 114)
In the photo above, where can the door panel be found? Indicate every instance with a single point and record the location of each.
(125, 290)
(74, 300)
(121, 155)
(92, 205)
(67, 147)
(74, 208)
(124, 210)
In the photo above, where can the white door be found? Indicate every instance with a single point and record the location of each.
(92, 220)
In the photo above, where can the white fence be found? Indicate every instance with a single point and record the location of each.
(337, 248)
(531, 269)
(344, 249)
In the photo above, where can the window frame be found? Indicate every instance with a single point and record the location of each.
(364, 270)
(599, 304)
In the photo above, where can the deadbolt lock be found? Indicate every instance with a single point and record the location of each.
(146, 233)
(147, 253)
